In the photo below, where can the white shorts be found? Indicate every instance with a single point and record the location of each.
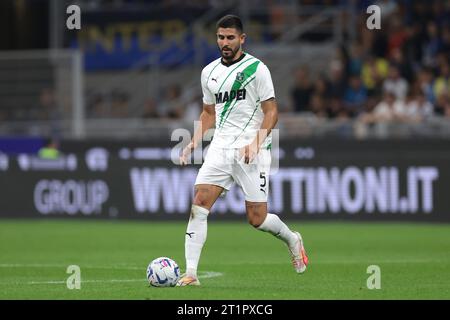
(222, 167)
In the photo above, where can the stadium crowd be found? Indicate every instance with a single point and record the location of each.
(398, 73)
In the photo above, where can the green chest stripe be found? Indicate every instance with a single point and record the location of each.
(247, 73)
(240, 64)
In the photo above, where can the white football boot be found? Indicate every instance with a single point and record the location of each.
(298, 254)
(186, 280)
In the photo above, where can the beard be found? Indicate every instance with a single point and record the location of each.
(229, 55)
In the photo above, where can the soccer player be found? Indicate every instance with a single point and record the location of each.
(239, 99)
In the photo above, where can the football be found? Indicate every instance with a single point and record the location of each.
(163, 272)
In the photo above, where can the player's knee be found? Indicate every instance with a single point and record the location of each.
(256, 213)
(255, 220)
(201, 200)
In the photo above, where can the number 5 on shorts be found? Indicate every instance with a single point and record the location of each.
(262, 175)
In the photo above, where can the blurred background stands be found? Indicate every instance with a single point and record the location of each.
(133, 70)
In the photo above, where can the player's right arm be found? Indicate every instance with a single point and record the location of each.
(207, 121)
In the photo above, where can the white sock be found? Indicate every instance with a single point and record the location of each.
(278, 228)
(195, 238)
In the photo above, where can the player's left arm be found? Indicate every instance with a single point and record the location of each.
(270, 110)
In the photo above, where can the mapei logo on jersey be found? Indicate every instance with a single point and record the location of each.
(226, 96)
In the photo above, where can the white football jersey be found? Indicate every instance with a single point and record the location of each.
(237, 91)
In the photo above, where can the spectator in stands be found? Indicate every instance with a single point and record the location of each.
(319, 98)
(441, 14)
(50, 150)
(447, 111)
(388, 110)
(342, 58)
(442, 83)
(420, 12)
(418, 108)
(445, 47)
(404, 56)
(335, 109)
(412, 48)
(301, 93)
(432, 45)
(366, 36)
(317, 105)
(337, 83)
(374, 71)
(377, 42)
(442, 104)
(321, 87)
(404, 67)
(425, 84)
(355, 96)
(395, 83)
(397, 35)
(370, 104)
(356, 59)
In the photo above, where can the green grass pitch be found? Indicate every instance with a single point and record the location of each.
(238, 262)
